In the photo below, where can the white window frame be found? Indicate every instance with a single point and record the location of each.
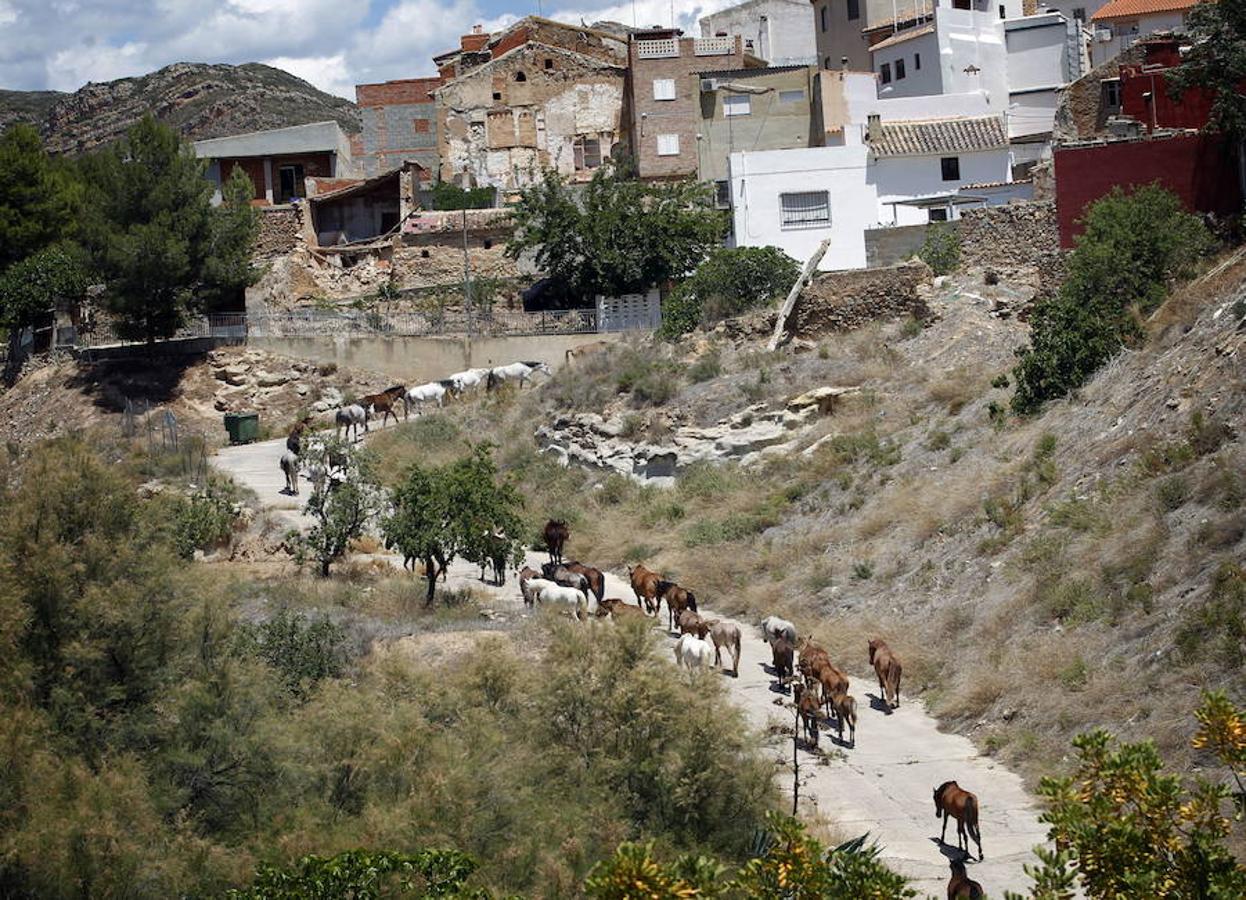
(737, 105)
(580, 150)
(668, 145)
(804, 209)
(664, 89)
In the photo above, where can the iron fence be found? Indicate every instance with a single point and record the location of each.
(490, 322)
(103, 333)
(170, 447)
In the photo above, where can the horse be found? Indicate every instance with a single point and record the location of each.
(494, 555)
(586, 350)
(887, 667)
(383, 403)
(960, 886)
(692, 623)
(556, 534)
(724, 634)
(845, 707)
(516, 371)
(807, 706)
(595, 577)
(677, 600)
(563, 575)
(693, 653)
(290, 468)
(531, 588)
(294, 440)
(351, 417)
(581, 606)
(950, 799)
(645, 587)
(773, 627)
(460, 382)
(614, 607)
(526, 574)
(781, 654)
(432, 392)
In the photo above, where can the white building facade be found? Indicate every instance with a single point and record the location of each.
(778, 31)
(1119, 24)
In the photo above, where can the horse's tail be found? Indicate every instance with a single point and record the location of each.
(736, 644)
(971, 811)
(692, 601)
(893, 677)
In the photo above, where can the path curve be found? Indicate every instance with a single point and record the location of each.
(884, 785)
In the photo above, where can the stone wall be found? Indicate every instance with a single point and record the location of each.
(1013, 237)
(281, 230)
(434, 260)
(840, 301)
(889, 246)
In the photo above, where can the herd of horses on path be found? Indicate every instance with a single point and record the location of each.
(352, 417)
(819, 689)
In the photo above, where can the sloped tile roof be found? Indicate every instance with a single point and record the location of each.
(1132, 9)
(938, 136)
(901, 36)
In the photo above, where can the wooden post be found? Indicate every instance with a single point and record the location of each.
(789, 304)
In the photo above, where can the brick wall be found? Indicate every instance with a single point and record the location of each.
(399, 123)
(280, 231)
(681, 116)
(840, 301)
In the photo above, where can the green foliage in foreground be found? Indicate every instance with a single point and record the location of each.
(941, 249)
(1133, 248)
(363, 875)
(732, 281)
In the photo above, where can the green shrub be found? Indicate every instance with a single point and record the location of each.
(647, 381)
(447, 195)
(731, 281)
(911, 327)
(1172, 493)
(708, 367)
(302, 651)
(863, 570)
(1214, 630)
(941, 249)
(204, 519)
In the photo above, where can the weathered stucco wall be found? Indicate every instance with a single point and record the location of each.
(840, 301)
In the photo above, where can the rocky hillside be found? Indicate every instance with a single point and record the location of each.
(199, 100)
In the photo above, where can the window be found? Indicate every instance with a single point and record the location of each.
(668, 145)
(822, 13)
(806, 209)
(421, 126)
(549, 63)
(1003, 13)
(884, 73)
(1112, 94)
(290, 183)
(736, 105)
(1079, 14)
(951, 168)
(664, 89)
(791, 96)
(722, 194)
(497, 95)
(854, 10)
(587, 154)
(937, 215)
(917, 62)
(899, 69)
(520, 76)
(826, 63)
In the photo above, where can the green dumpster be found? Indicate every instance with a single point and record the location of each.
(243, 428)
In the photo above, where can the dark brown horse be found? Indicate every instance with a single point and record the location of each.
(294, 440)
(807, 705)
(960, 886)
(781, 652)
(677, 600)
(595, 577)
(645, 587)
(887, 667)
(950, 799)
(556, 534)
(383, 403)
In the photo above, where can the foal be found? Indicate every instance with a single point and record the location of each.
(960, 886)
(952, 800)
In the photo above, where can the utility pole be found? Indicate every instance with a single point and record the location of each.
(467, 278)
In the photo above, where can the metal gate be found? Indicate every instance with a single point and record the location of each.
(630, 312)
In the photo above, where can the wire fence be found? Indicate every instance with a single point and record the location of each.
(171, 448)
(450, 321)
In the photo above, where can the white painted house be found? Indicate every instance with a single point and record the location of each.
(778, 31)
(1119, 24)
(887, 162)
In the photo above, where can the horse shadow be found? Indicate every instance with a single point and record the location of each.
(953, 853)
(879, 704)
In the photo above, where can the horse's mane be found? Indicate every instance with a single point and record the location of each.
(532, 363)
(943, 787)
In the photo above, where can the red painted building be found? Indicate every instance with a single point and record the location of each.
(1144, 93)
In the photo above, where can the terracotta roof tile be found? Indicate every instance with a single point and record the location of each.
(938, 136)
(1132, 9)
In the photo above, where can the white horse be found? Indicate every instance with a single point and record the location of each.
(531, 588)
(317, 474)
(351, 417)
(466, 380)
(290, 468)
(433, 392)
(517, 371)
(581, 607)
(693, 653)
(774, 628)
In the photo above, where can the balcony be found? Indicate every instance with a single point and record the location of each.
(713, 46)
(665, 48)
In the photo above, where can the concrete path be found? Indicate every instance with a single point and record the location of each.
(883, 785)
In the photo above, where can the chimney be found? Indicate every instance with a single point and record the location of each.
(470, 43)
(873, 126)
(843, 63)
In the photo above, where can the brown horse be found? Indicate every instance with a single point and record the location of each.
(383, 403)
(781, 651)
(887, 667)
(615, 607)
(952, 800)
(960, 886)
(845, 714)
(645, 587)
(692, 623)
(807, 705)
(556, 534)
(294, 440)
(595, 578)
(724, 634)
(677, 600)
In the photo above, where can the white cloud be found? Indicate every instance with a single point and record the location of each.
(329, 73)
(71, 68)
(8, 14)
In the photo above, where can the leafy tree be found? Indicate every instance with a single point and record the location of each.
(618, 236)
(153, 234)
(458, 509)
(1133, 247)
(33, 285)
(38, 196)
(448, 195)
(732, 281)
(941, 249)
(234, 225)
(345, 506)
(1216, 60)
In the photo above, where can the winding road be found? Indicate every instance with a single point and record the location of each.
(883, 785)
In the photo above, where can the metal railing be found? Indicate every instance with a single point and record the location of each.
(495, 322)
(102, 333)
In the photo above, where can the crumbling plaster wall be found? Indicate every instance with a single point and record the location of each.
(504, 132)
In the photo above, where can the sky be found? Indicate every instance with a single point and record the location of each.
(335, 44)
